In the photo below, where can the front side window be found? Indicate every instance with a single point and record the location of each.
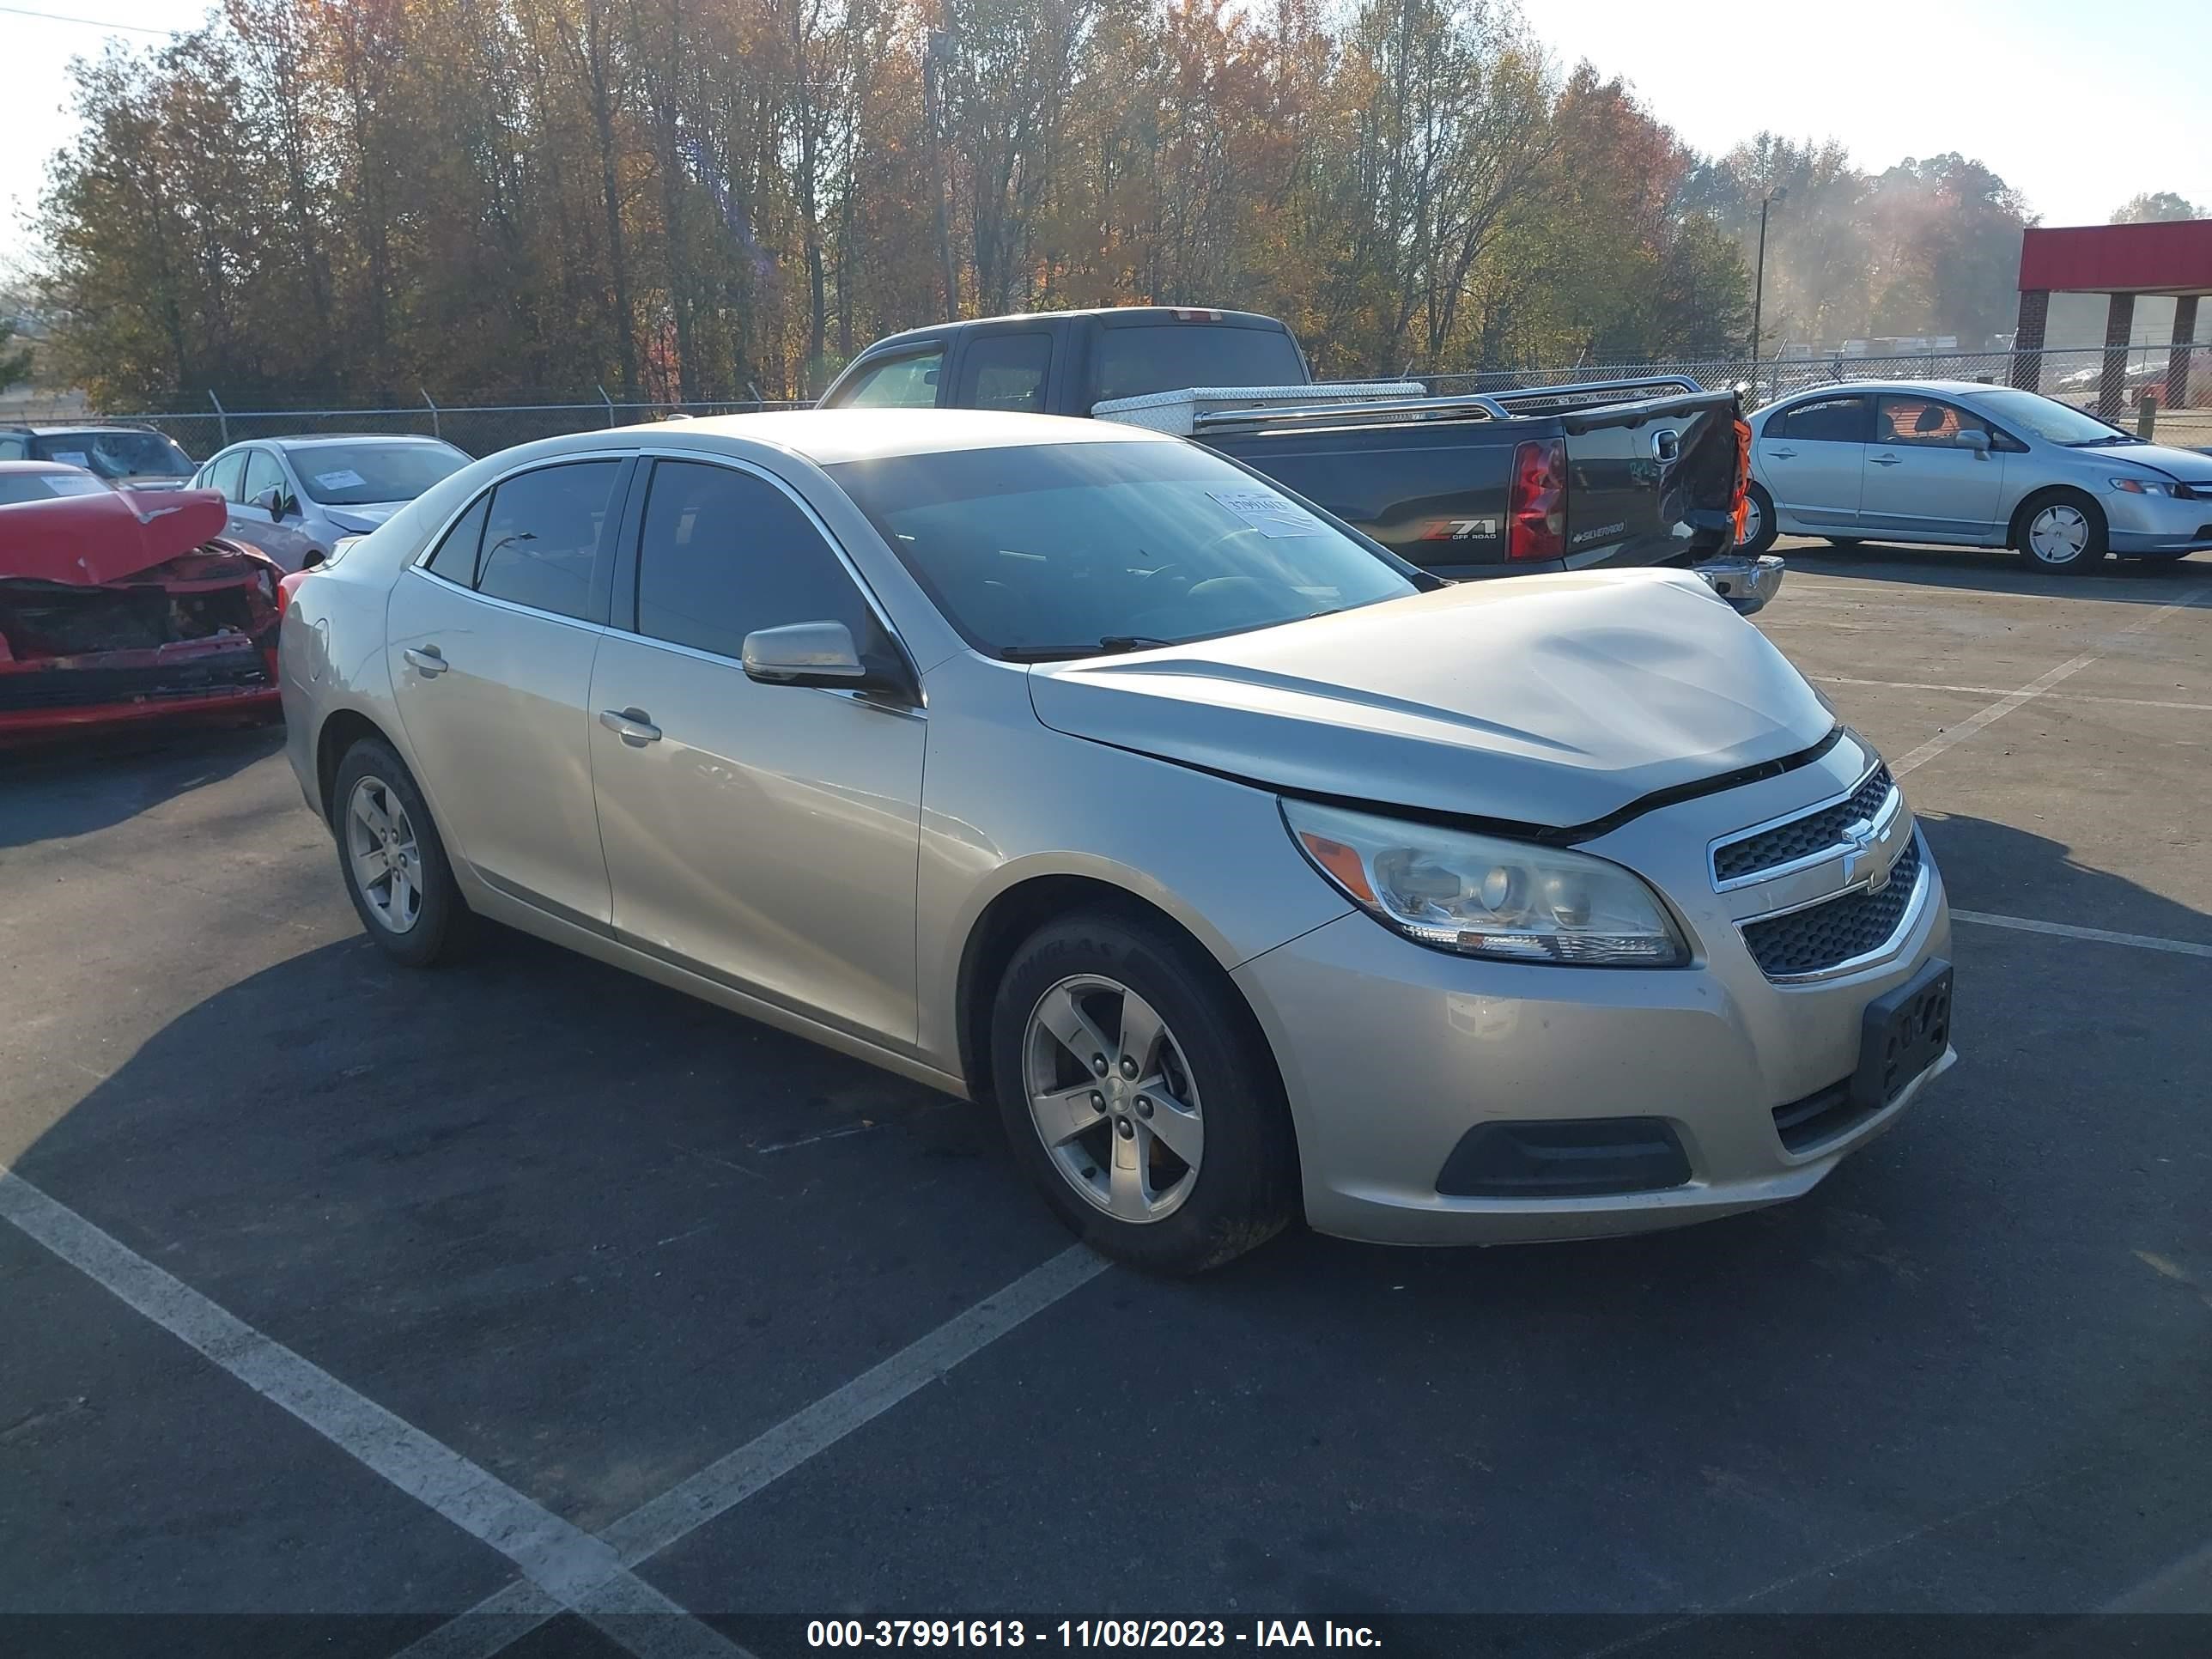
(262, 475)
(1006, 371)
(1902, 419)
(1824, 419)
(1070, 549)
(541, 537)
(227, 474)
(359, 474)
(724, 553)
(902, 383)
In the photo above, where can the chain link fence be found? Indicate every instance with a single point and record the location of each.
(2155, 389)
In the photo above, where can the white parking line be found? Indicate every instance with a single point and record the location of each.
(565, 1564)
(2035, 688)
(729, 1480)
(1989, 691)
(2181, 947)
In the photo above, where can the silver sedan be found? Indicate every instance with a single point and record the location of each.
(1246, 872)
(1960, 463)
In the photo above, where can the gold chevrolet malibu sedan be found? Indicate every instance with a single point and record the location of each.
(1249, 873)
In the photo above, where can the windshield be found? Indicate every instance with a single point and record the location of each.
(2047, 418)
(114, 454)
(1167, 356)
(16, 488)
(1070, 549)
(354, 475)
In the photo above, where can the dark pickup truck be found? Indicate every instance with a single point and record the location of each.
(1608, 474)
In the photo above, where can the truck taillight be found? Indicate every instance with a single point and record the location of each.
(1536, 508)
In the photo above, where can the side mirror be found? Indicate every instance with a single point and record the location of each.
(271, 500)
(822, 654)
(1967, 437)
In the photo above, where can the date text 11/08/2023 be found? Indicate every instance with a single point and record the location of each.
(1086, 1633)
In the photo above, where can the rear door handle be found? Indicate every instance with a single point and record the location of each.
(1886, 460)
(427, 661)
(633, 726)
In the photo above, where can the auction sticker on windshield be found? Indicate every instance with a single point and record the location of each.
(1273, 516)
(348, 479)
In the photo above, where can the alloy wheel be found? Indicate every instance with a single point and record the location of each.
(1754, 521)
(387, 865)
(1113, 1098)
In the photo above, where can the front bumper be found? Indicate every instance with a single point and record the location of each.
(2154, 526)
(1391, 1053)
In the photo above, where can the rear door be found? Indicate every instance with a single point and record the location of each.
(762, 835)
(1919, 483)
(1811, 456)
(492, 637)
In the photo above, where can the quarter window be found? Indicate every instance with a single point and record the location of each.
(541, 537)
(1006, 371)
(1824, 419)
(724, 553)
(456, 558)
(902, 383)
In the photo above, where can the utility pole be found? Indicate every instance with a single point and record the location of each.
(936, 52)
(1758, 283)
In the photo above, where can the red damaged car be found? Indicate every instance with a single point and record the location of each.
(119, 607)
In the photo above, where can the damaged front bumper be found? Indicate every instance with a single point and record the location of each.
(1748, 583)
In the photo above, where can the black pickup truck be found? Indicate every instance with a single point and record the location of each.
(1607, 474)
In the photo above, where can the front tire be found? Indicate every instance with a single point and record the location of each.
(394, 866)
(1758, 530)
(1138, 1093)
(2061, 531)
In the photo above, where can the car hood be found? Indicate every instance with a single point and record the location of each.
(2188, 466)
(1551, 700)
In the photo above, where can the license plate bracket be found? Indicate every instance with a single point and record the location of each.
(1901, 1034)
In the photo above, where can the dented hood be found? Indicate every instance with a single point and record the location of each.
(89, 540)
(1551, 701)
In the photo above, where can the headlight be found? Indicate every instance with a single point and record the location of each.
(2146, 487)
(1488, 897)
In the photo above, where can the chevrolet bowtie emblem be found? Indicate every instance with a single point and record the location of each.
(1870, 858)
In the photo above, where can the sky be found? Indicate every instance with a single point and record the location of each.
(2074, 109)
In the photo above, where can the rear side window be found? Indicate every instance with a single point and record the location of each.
(1824, 419)
(1006, 371)
(902, 383)
(724, 553)
(456, 558)
(542, 538)
(1167, 356)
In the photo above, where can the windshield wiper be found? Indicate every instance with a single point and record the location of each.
(1118, 642)
(2110, 438)
(1112, 644)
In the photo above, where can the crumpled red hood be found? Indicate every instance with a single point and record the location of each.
(87, 540)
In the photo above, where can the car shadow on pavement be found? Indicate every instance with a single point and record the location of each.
(57, 791)
(2002, 869)
(2130, 581)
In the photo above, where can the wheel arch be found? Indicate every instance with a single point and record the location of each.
(343, 728)
(2016, 526)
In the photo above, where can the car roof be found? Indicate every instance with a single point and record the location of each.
(1129, 315)
(828, 436)
(1840, 388)
(309, 440)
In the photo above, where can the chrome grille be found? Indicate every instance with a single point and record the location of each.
(1816, 832)
(1826, 935)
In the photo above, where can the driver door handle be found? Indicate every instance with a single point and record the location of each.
(1782, 455)
(1886, 460)
(427, 661)
(633, 726)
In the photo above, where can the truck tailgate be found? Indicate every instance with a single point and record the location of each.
(1649, 482)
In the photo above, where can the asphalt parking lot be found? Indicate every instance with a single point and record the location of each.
(369, 1297)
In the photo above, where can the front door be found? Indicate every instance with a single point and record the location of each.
(1920, 484)
(492, 641)
(254, 525)
(1810, 456)
(764, 835)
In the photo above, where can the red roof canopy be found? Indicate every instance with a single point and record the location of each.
(2174, 257)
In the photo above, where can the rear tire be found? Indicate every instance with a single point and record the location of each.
(1173, 1157)
(1760, 532)
(2061, 531)
(393, 864)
